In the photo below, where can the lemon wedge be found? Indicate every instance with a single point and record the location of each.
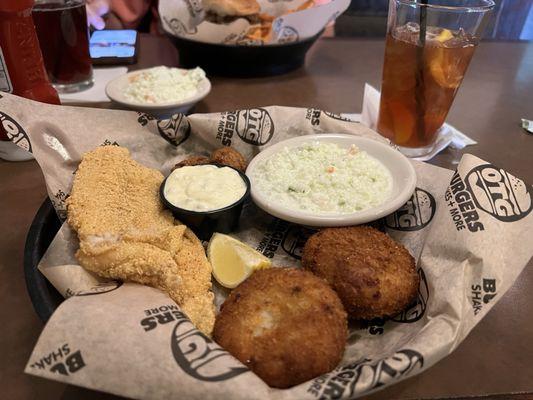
(233, 261)
(445, 35)
(445, 64)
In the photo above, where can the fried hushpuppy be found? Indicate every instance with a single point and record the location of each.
(224, 156)
(373, 275)
(193, 160)
(231, 157)
(285, 324)
(233, 8)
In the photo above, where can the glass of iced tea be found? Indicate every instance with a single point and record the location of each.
(63, 34)
(428, 48)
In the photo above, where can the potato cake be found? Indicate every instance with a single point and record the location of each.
(373, 275)
(285, 324)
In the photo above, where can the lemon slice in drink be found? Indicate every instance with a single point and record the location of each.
(444, 35)
(233, 261)
(445, 64)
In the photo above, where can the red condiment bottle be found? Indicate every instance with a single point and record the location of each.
(22, 69)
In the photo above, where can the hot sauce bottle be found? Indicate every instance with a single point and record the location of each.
(22, 70)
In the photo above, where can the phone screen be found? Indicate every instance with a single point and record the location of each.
(112, 43)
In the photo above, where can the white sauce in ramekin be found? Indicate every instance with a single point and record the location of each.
(204, 187)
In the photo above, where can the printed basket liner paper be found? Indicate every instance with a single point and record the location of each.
(133, 341)
(186, 19)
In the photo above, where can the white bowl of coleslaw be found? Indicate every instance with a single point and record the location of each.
(160, 91)
(330, 180)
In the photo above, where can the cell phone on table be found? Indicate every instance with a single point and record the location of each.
(111, 47)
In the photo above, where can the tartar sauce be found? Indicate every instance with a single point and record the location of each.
(204, 187)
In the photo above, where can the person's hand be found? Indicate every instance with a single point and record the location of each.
(95, 10)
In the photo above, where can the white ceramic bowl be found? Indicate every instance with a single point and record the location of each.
(399, 166)
(115, 91)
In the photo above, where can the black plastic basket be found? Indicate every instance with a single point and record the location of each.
(242, 61)
(44, 297)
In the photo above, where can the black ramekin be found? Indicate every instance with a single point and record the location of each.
(205, 223)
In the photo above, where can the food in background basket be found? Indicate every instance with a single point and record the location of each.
(126, 234)
(162, 84)
(373, 275)
(223, 155)
(227, 11)
(285, 324)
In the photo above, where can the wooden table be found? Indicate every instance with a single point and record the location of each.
(496, 358)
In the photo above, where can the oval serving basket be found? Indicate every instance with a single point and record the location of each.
(44, 297)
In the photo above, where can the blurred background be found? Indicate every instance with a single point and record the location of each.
(511, 20)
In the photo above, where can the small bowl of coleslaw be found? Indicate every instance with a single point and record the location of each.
(330, 180)
(160, 91)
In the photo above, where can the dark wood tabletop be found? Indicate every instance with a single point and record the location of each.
(497, 356)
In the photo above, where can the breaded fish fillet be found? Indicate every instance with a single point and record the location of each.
(126, 234)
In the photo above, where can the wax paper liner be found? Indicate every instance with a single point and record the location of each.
(186, 19)
(470, 230)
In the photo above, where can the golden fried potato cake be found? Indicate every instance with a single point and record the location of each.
(285, 324)
(231, 157)
(193, 160)
(373, 275)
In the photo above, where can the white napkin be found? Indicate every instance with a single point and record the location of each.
(96, 93)
(527, 125)
(447, 135)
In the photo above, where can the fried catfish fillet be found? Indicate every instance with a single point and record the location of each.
(126, 234)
